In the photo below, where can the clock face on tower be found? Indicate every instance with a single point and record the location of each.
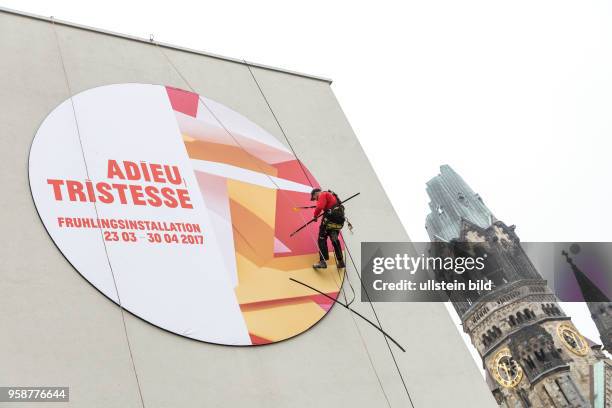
(572, 340)
(506, 371)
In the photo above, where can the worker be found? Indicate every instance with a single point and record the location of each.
(332, 222)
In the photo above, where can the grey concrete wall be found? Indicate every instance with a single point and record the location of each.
(56, 329)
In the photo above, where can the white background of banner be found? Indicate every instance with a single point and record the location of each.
(181, 288)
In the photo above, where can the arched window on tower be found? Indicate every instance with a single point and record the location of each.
(492, 335)
(529, 362)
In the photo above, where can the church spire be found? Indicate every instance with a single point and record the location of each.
(598, 303)
(452, 202)
(590, 291)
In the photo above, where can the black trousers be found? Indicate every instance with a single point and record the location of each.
(332, 234)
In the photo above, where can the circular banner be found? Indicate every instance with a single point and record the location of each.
(180, 209)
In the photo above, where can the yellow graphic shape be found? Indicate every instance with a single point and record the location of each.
(258, 284)
(260, 201)
(279, 323)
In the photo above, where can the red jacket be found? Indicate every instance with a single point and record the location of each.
(325, 202)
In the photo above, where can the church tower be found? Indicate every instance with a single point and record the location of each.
(532, 353)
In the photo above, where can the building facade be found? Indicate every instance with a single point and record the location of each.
(57, 329)
(532, 353)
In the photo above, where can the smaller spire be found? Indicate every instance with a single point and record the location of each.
(597, 301)
(590, 291)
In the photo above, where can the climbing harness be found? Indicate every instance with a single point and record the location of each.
(320, 215)
(334, 217)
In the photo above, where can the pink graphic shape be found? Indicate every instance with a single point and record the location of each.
(183, 101)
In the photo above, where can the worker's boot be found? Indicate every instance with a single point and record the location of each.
(340, 264)
(320, 265)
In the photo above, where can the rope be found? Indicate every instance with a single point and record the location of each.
(380, 325)
(351, 258)
(349, 308)
(281, 191)
(278, 123)
(348, 251)
(127, 338)
(363, 343)
(263, 95)
(347, 279)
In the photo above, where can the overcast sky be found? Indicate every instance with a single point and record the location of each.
(516, 96)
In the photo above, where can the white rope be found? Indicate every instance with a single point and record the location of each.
(127, 338)
(192, 89)
(346, 262)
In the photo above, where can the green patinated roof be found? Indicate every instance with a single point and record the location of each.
(452, 200)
